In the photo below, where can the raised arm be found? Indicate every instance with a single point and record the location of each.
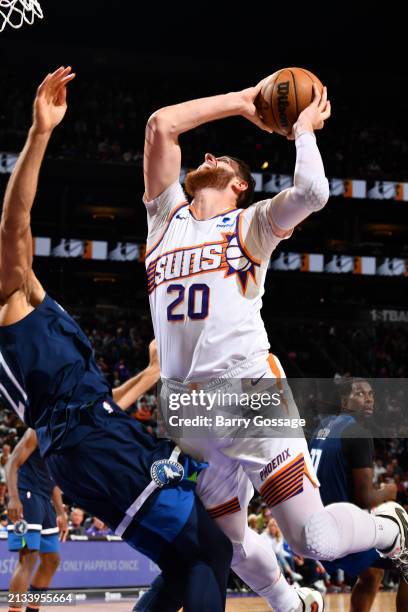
(16, 253)
(128, 393)
(20, 454)
(162, 155)
(311, 189)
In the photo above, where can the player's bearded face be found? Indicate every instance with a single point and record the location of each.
(204, 177)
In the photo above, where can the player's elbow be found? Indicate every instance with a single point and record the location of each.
(315, 192)
(14, 225)
(160, 125)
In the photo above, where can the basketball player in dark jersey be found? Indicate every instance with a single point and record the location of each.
(342, 451)
(30, 491)
(103, 460)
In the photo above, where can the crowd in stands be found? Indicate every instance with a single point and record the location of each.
(107, 117)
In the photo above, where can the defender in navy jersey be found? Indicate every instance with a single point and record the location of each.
(143, 489)
(30, 490)
(342, 451)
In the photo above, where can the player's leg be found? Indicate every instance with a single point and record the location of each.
(49, 549)
(20, 580)
(49, 563)
(27, 544)
(195, 567)
(326, 533)
(402, 596)
(118, 445)
(165, 594)
(208, 554)
(226, 491)
(365, 589)
(281, 470)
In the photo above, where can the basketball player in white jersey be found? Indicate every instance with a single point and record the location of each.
(206, 264)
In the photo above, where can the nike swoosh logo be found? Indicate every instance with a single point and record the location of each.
(402, 518)
(255, 381)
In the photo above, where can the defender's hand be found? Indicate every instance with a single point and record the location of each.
(50, 103)
(62, 524)
(14, 509)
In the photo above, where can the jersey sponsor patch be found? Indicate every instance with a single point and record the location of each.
(226, 222)
(181, 216)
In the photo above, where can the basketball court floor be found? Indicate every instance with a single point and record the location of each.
(385, 602)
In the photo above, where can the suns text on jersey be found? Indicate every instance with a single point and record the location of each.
(187, 261)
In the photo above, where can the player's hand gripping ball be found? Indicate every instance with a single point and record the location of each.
(283, 96)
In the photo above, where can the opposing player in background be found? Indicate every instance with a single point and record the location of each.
(30, 490)
(206, 265)
(102, 459)
(342, 451)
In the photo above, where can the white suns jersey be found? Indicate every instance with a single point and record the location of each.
(205, 285)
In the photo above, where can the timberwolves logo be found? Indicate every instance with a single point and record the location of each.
(238, 263)
(166, 472)
(21, 527)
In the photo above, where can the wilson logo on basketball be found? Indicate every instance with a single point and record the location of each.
(225, 256)
(283, 102)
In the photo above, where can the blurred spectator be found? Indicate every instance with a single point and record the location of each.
(273, 537)
(76, 526)
(98, 528)
(4, 456)
(143, 412)
(2, 491)
(263, 517)
(253, 522)
(3, 522)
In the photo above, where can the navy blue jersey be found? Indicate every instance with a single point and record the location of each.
(47, 369)
(34, 476)
(338, 446)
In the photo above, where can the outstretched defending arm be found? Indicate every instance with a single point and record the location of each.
(162, 155)
(15, 234)
(128, 393)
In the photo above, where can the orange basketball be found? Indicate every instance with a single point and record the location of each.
(283, 97)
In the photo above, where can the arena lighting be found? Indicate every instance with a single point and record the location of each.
(265, 165)
(103, 216)
(102, 279)
(103, 213)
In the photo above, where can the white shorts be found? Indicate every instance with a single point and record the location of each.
(275, 466)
